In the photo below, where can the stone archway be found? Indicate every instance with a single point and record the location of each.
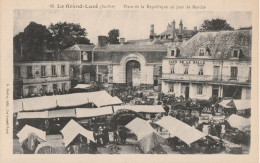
(138, 61)
(133, 68)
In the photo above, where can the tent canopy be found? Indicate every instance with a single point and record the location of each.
(93, 112)
(73, 129)
(238, 122)
(27, 130)
(61, 113)
(150, 141)
(104, 99)
(82, 86)
(142, 108)
(224, 104)
(32, 115)
(100, 98)
(36, 103)
(146, 135)
(140, 127)
(240, 104)
(181, 130)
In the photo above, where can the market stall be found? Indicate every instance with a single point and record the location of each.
(29, 138)
(147, 137)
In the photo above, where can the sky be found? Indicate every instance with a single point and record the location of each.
(131, 24)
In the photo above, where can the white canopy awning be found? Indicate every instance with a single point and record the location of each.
(73, 129)
(240, 104)
(35, 103)
(238, 122)
(224, 103)
(181, 130)
(142, 108)
(100, 98)
(61, 113)
(82, 86)
(32, 115)
(93, 112)
(140, 127)
(105, 99)
(27, 130)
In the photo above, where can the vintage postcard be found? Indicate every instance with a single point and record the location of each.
(113, 81)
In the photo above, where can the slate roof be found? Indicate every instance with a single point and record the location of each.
(81, 47)
(131, 47)
(221, 43)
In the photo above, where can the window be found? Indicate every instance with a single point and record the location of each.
(186, 69)
(29, 72)
(172, 53)
(17, 71)
(171, 88)
(208, 51)
(200, 70)
(175, 52)
(199, 89)
(172, 69)
(178, 51)
(30, 90)
(216, 72)
(53, 70)
(202, 52)
(85, 56)
(233, 73)
(63, 87)
(43, 70)
(55, 88)
(44, 89)
(235, 53)
(62, 69)
(100, 78)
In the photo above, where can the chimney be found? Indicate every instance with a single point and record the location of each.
(180, 27)
(173, 29)
(122, 41)
(102, 40)
(195, 29)
(152, 32)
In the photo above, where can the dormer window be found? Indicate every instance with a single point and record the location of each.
(85, 56)
(175, 52)
(236, 53)
(208, 51)
(202, 52)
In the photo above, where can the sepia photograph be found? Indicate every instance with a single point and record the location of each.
(131, 82)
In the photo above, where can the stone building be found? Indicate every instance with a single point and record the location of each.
(36, 78)
(80, 59)
(210, 63)
(132, 62)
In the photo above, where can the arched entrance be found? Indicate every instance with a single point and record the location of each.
(133, 68)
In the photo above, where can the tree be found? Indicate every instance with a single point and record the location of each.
(67, 34)
(216, 25)
(33, 42)
(113, 36)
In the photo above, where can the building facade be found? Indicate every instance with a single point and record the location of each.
(132, 62)
(81, 66)
(37, 78)
(210, 63)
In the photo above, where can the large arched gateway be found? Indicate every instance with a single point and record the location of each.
(133, 68)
